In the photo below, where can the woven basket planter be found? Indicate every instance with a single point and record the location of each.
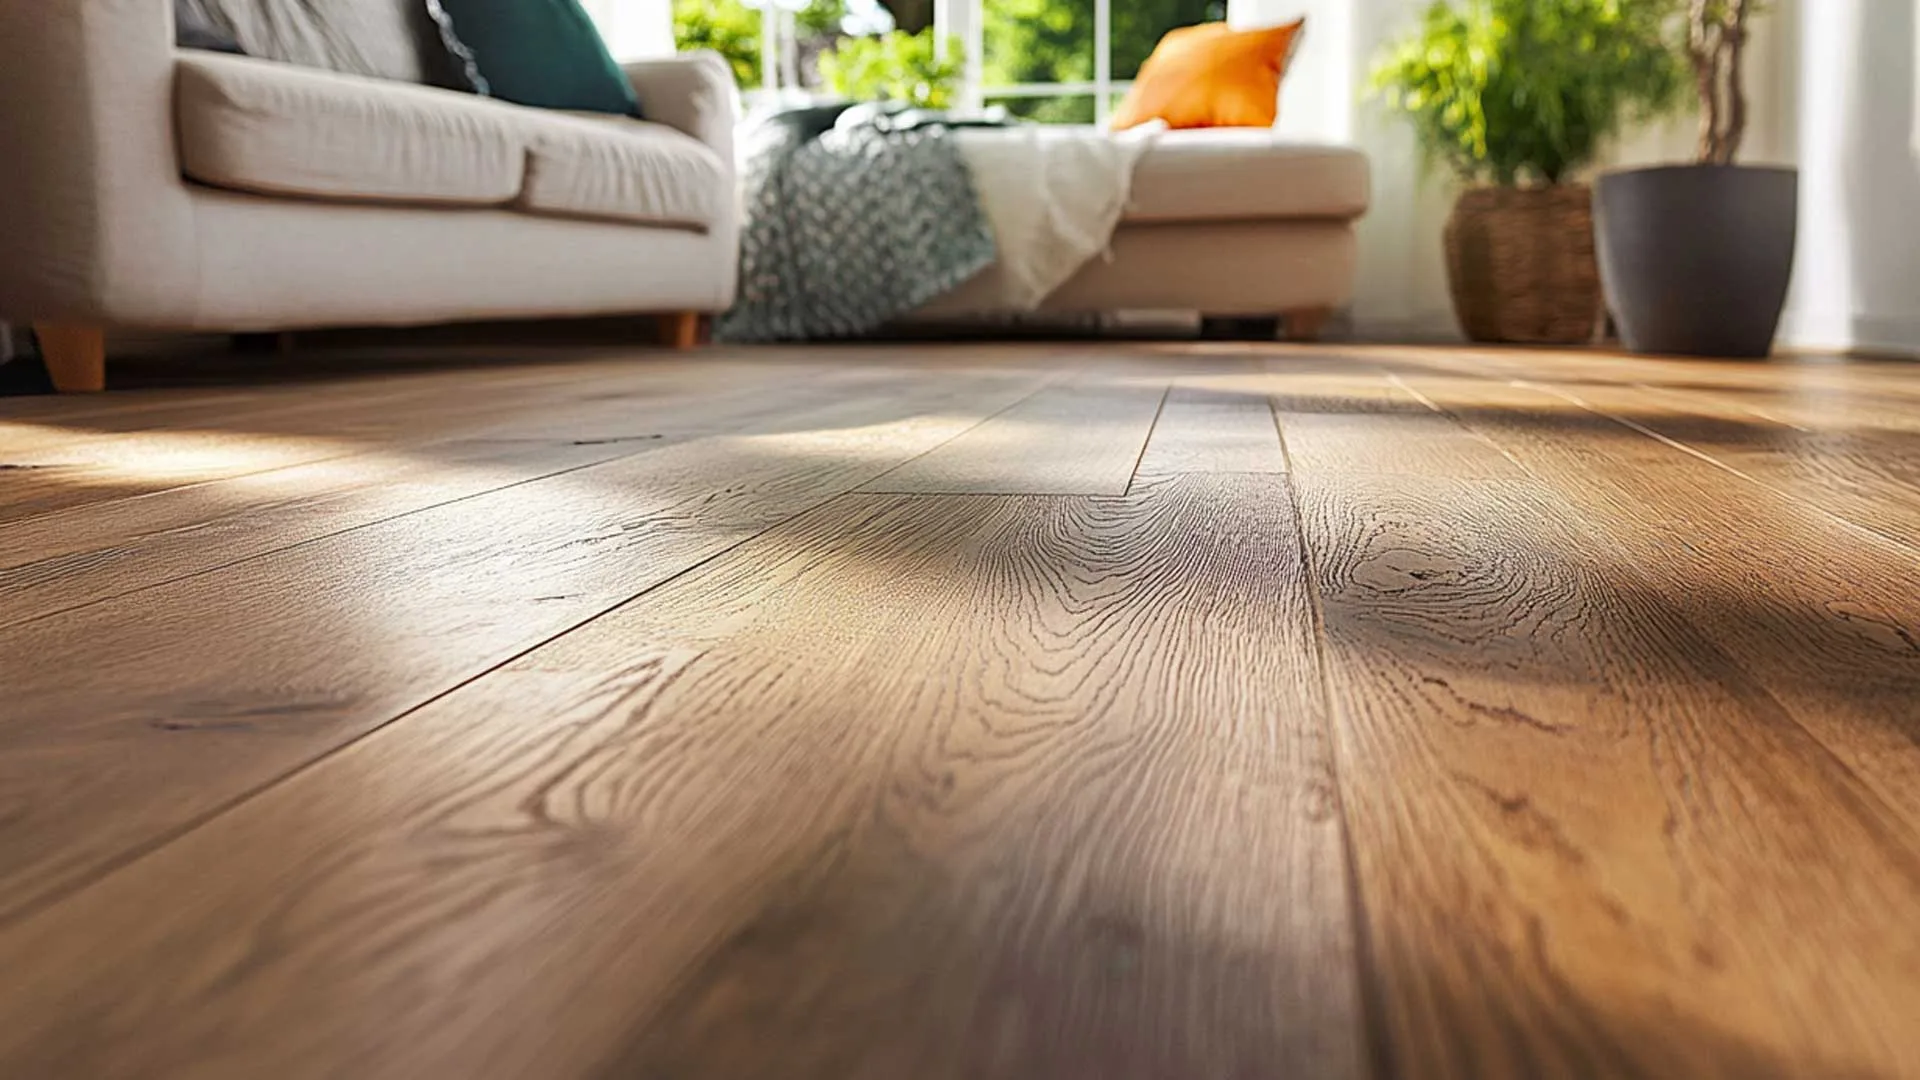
(1521, 265)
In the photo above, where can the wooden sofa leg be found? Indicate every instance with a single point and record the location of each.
(76, 357)
(1307, 324)
(683, 330)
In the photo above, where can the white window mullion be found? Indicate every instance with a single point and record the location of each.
(1102, 60)
(962, 21)
(770, 49)
(1043, 90)
(974, 34)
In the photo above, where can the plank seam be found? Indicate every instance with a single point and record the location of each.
(1375, 1033)
(298, 544)
(639, 448)
(869, 489)
(1133, 474)
(161, 840)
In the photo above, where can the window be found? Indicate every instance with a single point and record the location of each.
(1061, 61)
(634, 29)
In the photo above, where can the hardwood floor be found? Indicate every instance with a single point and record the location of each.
(1084, 710)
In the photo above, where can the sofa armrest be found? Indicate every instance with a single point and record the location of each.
(693, 92)
(96, 224)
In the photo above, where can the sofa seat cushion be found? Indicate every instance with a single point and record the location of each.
(620, 169)
(1245, 174)
(277, 129)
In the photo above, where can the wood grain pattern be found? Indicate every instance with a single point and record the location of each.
(202, 689)
(1823, 615)
(61, 461)
(1362, 421)
(1100, 842)
(1495, 712)
(1597, 768)
(1079, 438)
(57, 561)
(1864, 470)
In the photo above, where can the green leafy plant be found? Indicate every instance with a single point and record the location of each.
(892, 67)
(728, 27)
(1526, 91)
(733, 30)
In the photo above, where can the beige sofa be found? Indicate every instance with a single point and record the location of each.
(154, 188)
(1229, 222)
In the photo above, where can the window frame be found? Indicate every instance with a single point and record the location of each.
(965, 21)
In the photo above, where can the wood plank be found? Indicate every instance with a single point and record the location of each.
(108, 550)
(67, 423)
(58, 561)
(1205, 430)
(1364, 422)
(1082, 437)
(1587, 842)
(204, 689)
(52, 467)
(1821, 614)
(771, 820)
(1818, 453)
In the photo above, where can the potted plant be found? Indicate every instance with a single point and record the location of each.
(1514, 97)
(1697, 258)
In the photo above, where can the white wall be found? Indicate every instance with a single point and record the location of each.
(634, 29)
(1402, 289)
(1833, 88)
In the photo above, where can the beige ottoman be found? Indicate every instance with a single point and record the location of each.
(1231, 222)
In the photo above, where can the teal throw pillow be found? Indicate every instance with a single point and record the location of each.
(544, 53)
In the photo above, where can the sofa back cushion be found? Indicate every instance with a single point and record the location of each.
(280, 129)
(405, 40)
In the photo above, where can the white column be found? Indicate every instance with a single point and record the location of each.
(961, 20)
(1102, 60)
(770, 49)
(1859, 251)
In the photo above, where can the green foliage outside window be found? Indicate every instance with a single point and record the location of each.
(1026, 41)
(1051, 41)
(732, 29)
(1527, 91)
(891, 67)
(728, 27)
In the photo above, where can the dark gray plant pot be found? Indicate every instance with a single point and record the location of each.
(1696, 258)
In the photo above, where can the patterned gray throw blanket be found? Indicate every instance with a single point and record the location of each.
(851, 226)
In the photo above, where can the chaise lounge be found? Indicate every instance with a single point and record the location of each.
(1228, 222)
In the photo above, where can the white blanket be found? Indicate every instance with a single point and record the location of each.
(1053, 195)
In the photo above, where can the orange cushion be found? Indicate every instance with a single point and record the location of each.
(1212, 76)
